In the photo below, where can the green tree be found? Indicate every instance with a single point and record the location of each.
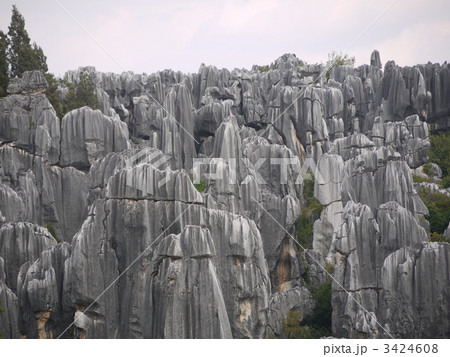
(316, 325)
(78, 95)
(3, 64)
(338, 59)
(440, 151)
(21, 55)
(52, 94)
(438, 205)
(85, 93)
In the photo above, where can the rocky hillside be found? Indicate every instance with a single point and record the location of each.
(175, 210)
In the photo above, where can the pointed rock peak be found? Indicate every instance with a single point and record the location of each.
(375, 59)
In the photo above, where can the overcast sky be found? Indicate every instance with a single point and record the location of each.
(147, 36)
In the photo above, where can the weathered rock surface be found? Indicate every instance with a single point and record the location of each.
(363, 246)
(20, 243)
(43, 311)
(29, 122)
(9, 327)
(412, 304)
(146, 253)
(88, 135)
(185, 277)
(297, 299)
(31, 81)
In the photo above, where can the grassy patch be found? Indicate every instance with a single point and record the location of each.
(311, 212)
(420, 179)
(264, 68)
(52, 231)
(201, 187)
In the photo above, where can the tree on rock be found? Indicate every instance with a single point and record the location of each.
(3, 64)
(85, 92)
(21, 55)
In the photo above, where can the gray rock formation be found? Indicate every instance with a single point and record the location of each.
(20, 243)
(9, 327)
(30, 82)
(185, 277)
(412, 304)
(146, 253)
(88, 135)
(43, 311)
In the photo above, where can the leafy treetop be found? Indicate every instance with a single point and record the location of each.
(21, 54)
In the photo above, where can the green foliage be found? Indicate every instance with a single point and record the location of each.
(201, 187)
(21, 54)
(311, 212)
(293, 328)
(338, 59)
(440, 155)
(419, 179)
(79, 95)
(445, 182)
(428, 170)
(3, 64)
(320, 318)
(85, 93)
(266, 68)
(52, 95)
(437, 237)
(440, 151)
(438, 205)
(52, 231)
(316, 325)
(329, 267)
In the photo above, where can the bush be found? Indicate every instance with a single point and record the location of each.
(420, 179)
(52, 231)
(201, 187)
(338, 59)
(320, 318)
(264, 68)
(318, 324)
(79, 95)
(311, 212)
(445, 182)
(437, 237)
(438, 205)
(427, 169)
(293, 328)
(440, 151)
